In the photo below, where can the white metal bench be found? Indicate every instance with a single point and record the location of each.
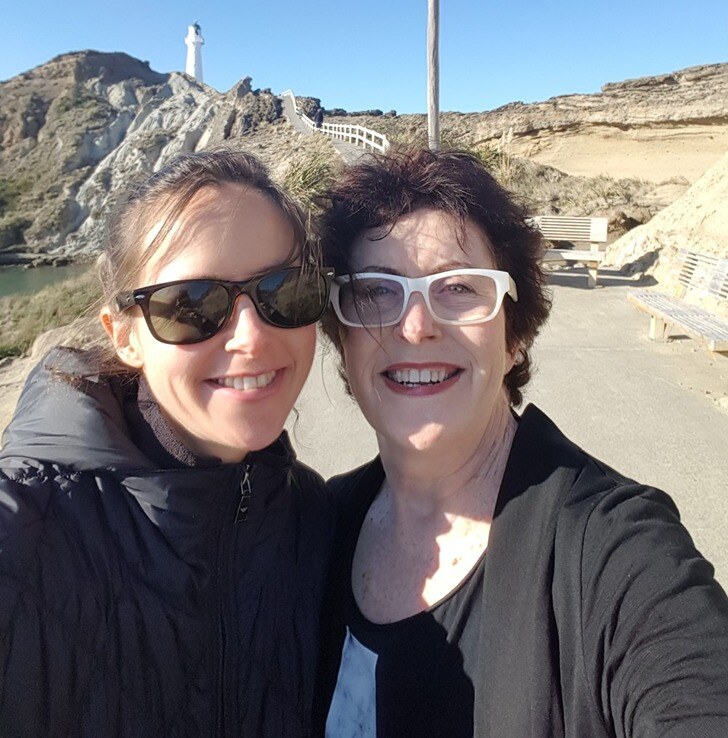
(568, 228)
(705, 275)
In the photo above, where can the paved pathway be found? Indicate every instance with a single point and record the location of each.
(290, 113)
(652, 411)
(349, 152)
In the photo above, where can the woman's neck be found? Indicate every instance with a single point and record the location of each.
(444, 479)
(430, 523)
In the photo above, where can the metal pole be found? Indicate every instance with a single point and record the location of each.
(433, 75)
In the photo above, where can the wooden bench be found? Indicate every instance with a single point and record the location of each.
(700, 274)
(577, 229)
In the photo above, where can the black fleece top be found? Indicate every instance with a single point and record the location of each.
(143, 591)
(598, 616)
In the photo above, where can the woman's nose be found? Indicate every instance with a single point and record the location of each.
(246, 328)
(417, 323)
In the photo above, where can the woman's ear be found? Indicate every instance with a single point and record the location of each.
(513, 354)
(124, 338)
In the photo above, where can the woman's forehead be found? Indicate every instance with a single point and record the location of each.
(215, 218)
(424, 237)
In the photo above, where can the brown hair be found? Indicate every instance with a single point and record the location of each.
(164, 196)
(377, 193)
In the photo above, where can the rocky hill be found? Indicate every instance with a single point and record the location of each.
(74, 131)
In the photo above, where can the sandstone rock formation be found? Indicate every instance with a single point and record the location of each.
(654, 128)
(75, 131)
(697, 221)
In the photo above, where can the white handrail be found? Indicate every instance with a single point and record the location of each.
(357, 135)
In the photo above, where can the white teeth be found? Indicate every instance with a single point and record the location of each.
(418, 376)
(247, 382)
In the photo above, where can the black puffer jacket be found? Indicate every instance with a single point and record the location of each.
(145, 601)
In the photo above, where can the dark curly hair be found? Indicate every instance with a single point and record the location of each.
(377, 193)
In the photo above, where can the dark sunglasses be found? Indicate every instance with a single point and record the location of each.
(193, 310)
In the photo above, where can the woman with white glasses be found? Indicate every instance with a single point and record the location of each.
(162, 552)
(490, 577)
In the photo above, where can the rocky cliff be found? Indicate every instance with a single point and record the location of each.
(654, 128)
(77, 129)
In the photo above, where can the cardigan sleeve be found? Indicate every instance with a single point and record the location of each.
(654, 622)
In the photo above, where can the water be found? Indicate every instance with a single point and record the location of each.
(17, 281)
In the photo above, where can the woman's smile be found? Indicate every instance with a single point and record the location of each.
(418, 380)
(247, 382)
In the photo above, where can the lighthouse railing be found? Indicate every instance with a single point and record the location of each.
(358, 135)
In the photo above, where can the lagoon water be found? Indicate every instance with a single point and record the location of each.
(18, 281)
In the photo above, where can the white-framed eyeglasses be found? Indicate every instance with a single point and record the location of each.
(455, 297)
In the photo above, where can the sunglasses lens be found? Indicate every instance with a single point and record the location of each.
(291, 298)
(188, 312)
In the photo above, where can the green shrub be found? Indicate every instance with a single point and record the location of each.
(10, 192)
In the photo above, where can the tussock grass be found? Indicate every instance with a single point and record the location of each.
(25, 317)
(309, 176)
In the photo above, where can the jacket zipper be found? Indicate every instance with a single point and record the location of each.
(223, 590)
(245, 493)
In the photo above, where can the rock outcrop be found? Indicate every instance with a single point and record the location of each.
(691, 95)
(697, 221)
(76, 130)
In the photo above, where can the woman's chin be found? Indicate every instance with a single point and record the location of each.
(419, 439)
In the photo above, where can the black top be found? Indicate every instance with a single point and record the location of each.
(597, 615)
(414, 676)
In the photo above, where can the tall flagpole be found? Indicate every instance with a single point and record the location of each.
(433, 75)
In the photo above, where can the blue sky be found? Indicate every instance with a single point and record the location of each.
(372, 54)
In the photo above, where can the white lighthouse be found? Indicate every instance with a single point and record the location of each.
(194, 43)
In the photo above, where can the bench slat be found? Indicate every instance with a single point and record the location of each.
(694, 320)
(568, 228)
(706, 274)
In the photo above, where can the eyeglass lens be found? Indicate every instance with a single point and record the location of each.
(373, 301)
(195, 310)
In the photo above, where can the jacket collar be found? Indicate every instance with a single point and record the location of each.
(82, 424)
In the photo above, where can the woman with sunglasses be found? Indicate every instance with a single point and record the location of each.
(490, 578)
(162, 553)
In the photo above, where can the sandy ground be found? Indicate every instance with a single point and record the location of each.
(653, 154)
(652, 411)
